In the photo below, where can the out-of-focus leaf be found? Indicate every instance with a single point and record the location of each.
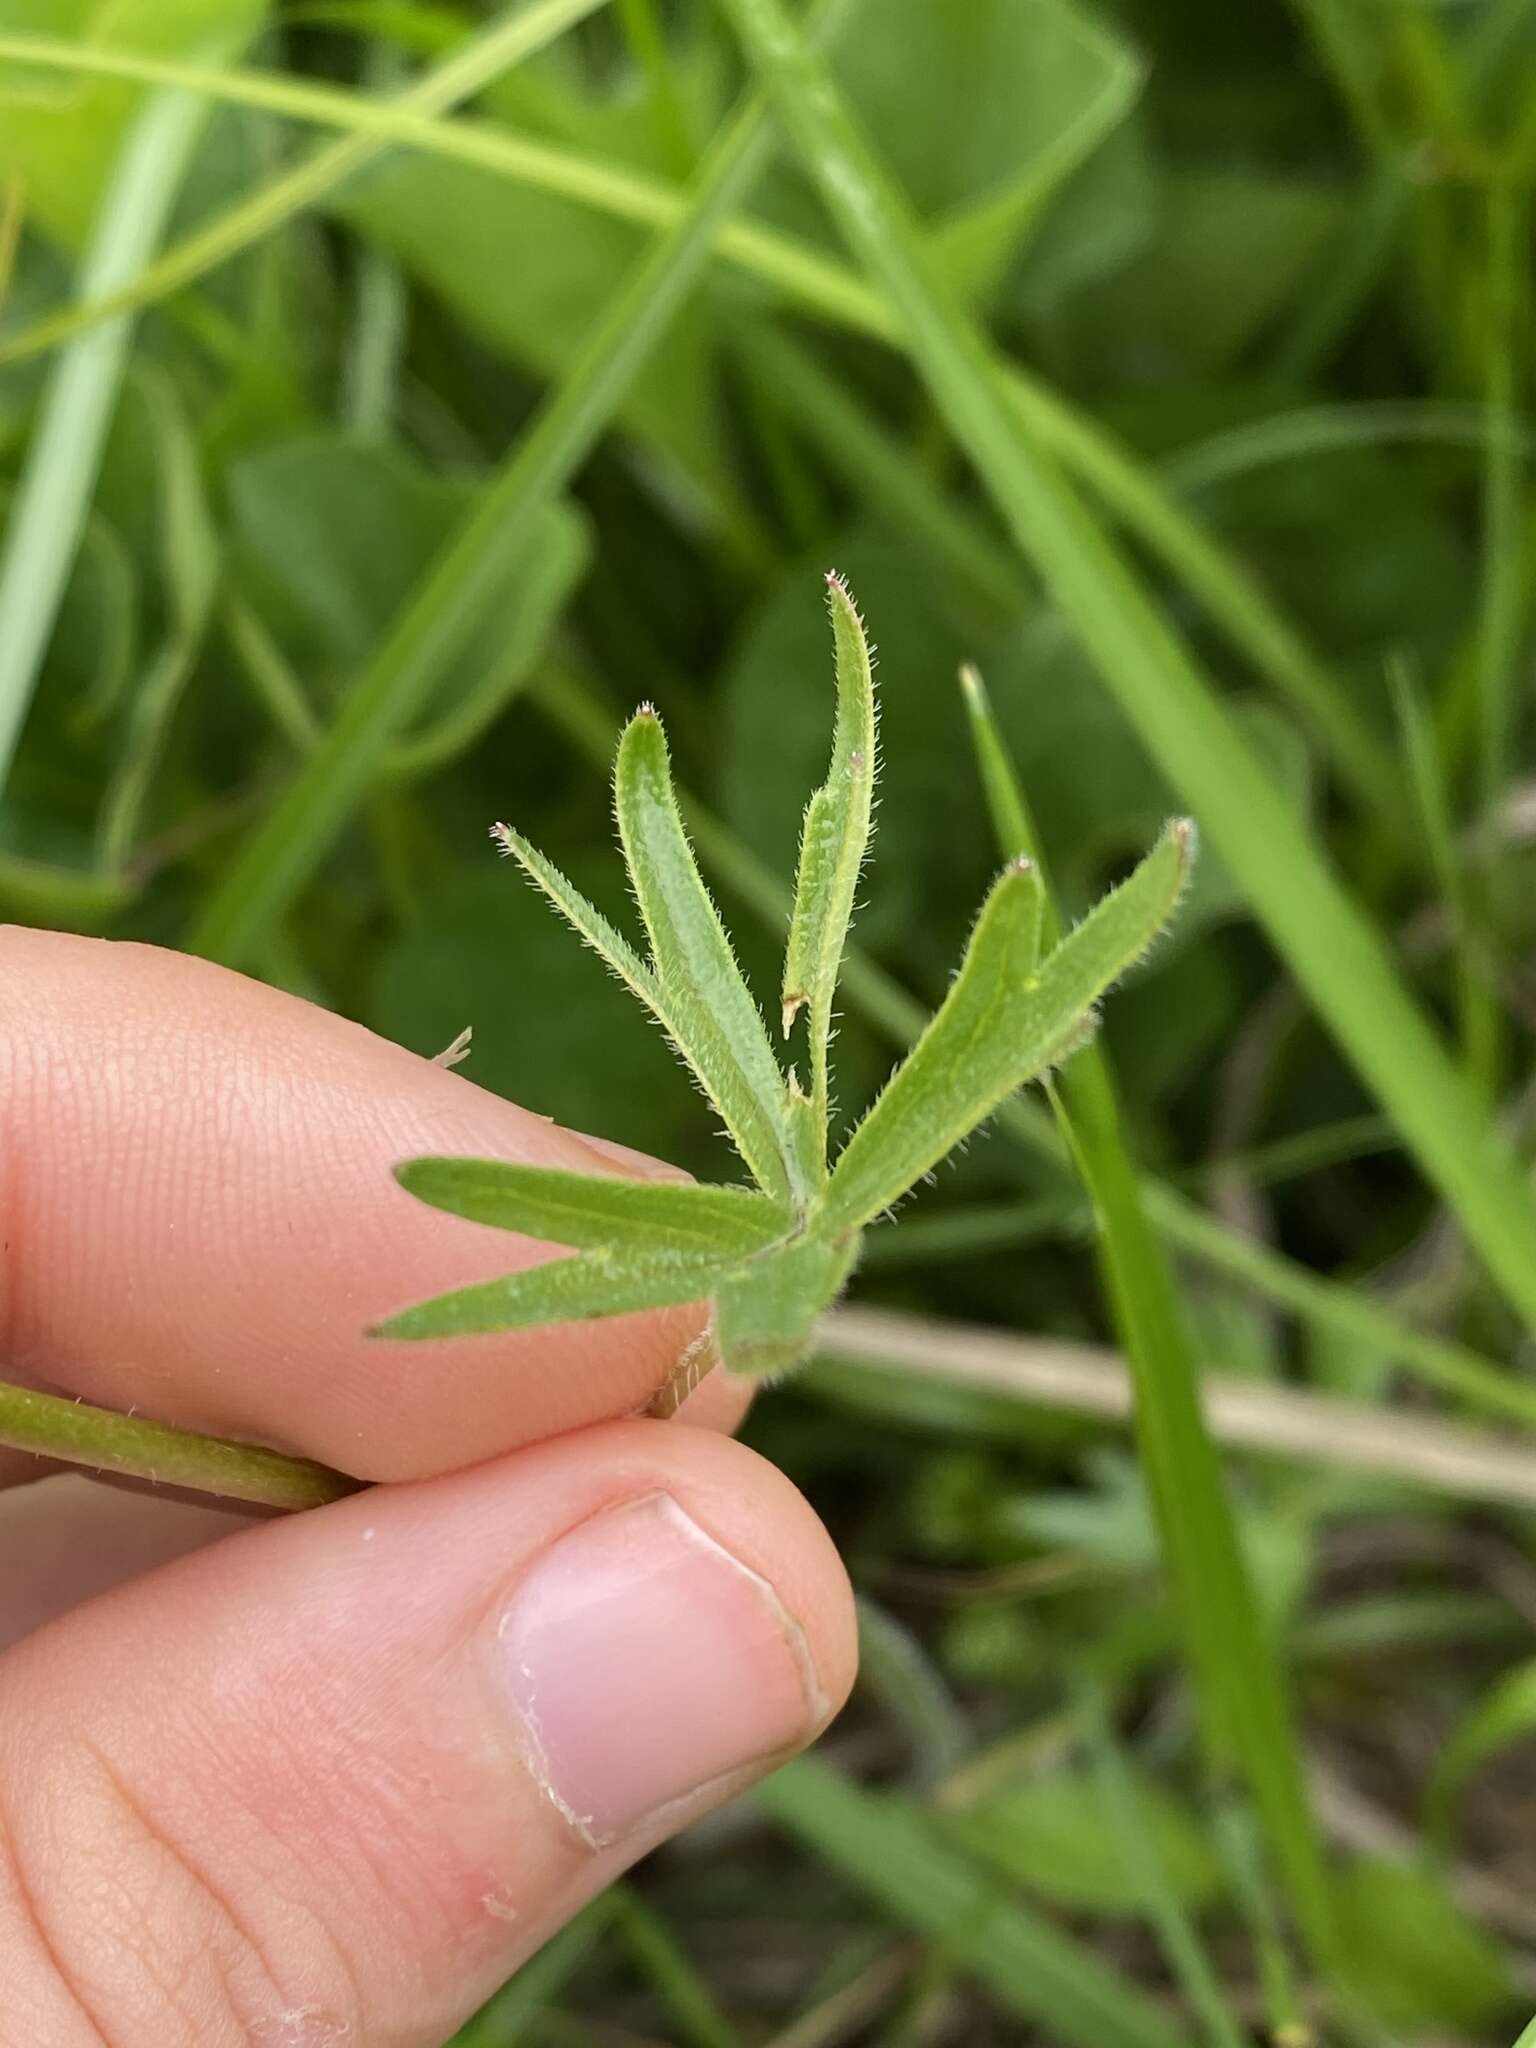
(328, 530)
(900, 1855)
(1413, 1958)
(530, 274)
(1054, 1837)
(1506, 1713)
(1228, 254)
(1018, 96)
(62, 134)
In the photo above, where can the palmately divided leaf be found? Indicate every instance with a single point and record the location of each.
(766, 1314)
(596, 1212)
(709, 1010)
(833, 842)
(563, 1290)
(1004, 1021)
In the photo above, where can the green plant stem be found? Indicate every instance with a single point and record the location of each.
(53, 1426)
(795, 269)
(642, 31)
(289, 844)
(58, 478)
(696, 2019)
(1244, 1697)
(899, 1016)
(1318, 927)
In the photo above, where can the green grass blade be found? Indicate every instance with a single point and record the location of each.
(805, 276)
(1188, 1959)
(897, 486)
(1232, 599)
(1325, 937)
(891, 1849)
(561, 1291)
(696, 2018)
(833, 843)
(593, 1213)
(1003, 1022)
(190, 546)
(1243, 1692)
(284, 851)
(1502, 1715)
(553, 564)
(506, 2021)
(47, 519)
(520, 33)
(717, 1025)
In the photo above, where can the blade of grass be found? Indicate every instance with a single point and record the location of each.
(1245, 1700)
(1318, 927)
(1188, 1959)
(796, 269)
(669, 117)
(63, 457)
(888, 1007)
(284, 851)
(520, 33)
(697, 2021)
(504, 2022)
(555, 559)
(893, 1850)
(190, 548)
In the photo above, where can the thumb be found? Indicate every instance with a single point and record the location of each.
(330, 1780)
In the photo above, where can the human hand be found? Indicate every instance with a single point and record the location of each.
(329, 1779)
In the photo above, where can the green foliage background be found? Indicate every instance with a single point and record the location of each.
(1265, 271)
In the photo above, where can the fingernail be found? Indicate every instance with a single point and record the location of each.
(646, 1662)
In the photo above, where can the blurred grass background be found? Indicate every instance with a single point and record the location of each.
(393, 394)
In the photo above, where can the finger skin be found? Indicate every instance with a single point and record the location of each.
(68, 1539)
(301, 1786)
(199, 1220)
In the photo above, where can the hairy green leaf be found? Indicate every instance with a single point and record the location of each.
(560, 1291)
(585, 919)
(766, 1313)
(1003, 1022)
(833, 842)
(709, 1009)
(593, 1212)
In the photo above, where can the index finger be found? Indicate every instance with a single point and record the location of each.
(198, 1219)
